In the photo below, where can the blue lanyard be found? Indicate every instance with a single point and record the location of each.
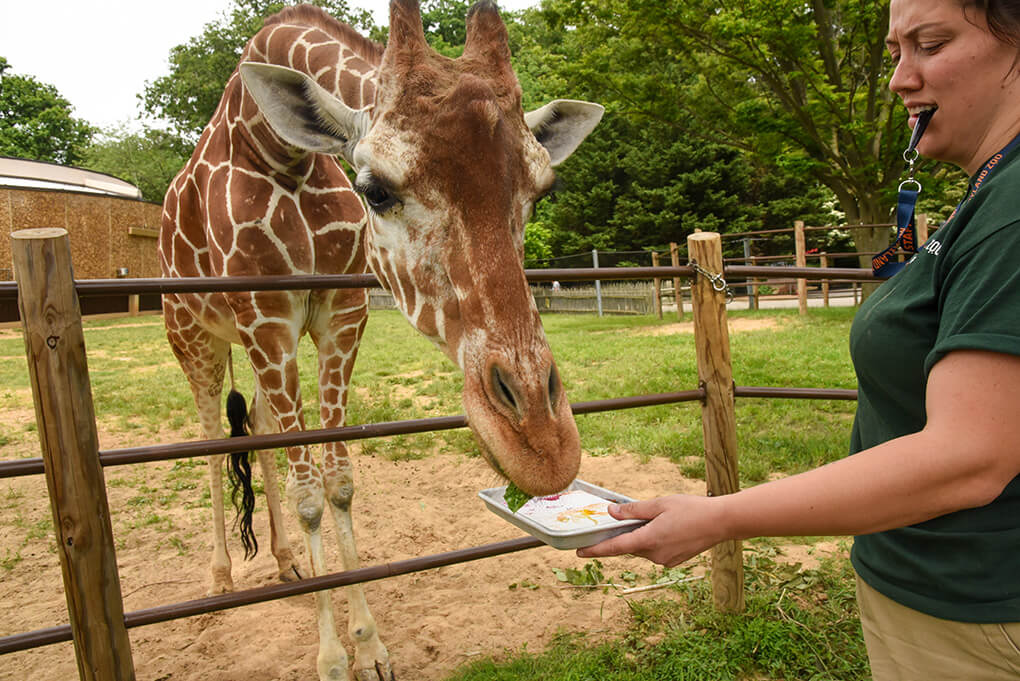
(883, 265)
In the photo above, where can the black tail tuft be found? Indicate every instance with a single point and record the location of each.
(239, 474)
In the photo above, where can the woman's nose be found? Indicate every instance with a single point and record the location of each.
(905, 77)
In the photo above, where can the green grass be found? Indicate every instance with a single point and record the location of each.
(138, 387)
(796, 626)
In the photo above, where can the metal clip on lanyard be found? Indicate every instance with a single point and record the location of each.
(884, 264)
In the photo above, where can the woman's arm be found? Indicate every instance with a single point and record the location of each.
(963, 458)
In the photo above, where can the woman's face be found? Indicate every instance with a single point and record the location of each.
(946, 58)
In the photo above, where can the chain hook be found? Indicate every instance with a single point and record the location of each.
(719, 284)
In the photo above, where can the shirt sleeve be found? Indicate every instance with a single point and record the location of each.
(979, 297)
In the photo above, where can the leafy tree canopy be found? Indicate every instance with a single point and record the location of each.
(798, 87)
(36, 122)
(148, 159)
(636, 184)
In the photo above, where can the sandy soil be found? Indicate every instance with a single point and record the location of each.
(431, 622)
(735, 325)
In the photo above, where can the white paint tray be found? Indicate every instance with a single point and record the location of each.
(574, 518)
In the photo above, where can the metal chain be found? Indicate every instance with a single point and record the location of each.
(718, 282)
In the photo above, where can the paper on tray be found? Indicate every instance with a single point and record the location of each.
(575, 509)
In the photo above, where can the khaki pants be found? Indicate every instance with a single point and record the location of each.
(907, 645)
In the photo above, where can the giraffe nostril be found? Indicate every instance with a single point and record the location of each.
(553, 387)
(504, 391)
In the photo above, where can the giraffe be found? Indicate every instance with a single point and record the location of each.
(450, 168)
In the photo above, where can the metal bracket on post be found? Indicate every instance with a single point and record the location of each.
(719, 284)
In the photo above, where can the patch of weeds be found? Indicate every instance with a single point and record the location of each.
(178, 543)
(590, 575)
(152, 520)
(167, 500)
(181, 485)
(524, 584)
(40, 529)
(13, 498)
(204, 500)
(460, 441)
(10, 560)
(139, 501)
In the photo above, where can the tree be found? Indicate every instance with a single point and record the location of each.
(36, 122)
(148, 159)
(799, 86)
(188, 96)
(445, 23)
(636, 184)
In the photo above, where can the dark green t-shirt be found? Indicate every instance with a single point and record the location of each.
(960, 291)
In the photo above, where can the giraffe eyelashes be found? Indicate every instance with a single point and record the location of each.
(376, 195)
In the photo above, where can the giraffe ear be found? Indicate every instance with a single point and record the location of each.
(302, 112)
(561, 125)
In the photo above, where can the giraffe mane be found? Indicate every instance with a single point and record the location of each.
(314, 17)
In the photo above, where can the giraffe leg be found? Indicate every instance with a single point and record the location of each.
(371, 659)
(305, 494)
(272, 350)
(203, 357)
(222, 582)
(263, 423)
(337, 346)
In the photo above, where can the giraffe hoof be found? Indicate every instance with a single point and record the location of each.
(222, 582)
(290, 574)
(218, 588)
(380, 672)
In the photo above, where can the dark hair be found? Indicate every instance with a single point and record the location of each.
(1003, 17)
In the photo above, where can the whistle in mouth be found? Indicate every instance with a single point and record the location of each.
(923, 119)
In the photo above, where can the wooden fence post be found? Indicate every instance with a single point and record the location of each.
(801, 255)
(65, 415)
(718, 418)
(921, 227)
(657, 286)
(754, 286)
(824, 264)
(678, 294)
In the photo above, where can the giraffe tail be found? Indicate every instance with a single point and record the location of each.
(239, 474)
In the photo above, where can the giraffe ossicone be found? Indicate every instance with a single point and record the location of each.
(450, 168)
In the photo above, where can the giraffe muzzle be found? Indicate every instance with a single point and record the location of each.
(524, 423)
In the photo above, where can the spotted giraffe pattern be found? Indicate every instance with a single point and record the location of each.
(450, 167)
(249, 204)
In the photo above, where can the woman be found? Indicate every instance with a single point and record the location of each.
(932, 491)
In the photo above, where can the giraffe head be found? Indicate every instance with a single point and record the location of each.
(451, 167)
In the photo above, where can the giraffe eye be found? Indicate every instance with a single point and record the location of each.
(378, 198)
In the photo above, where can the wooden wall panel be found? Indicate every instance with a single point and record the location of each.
(98, 226)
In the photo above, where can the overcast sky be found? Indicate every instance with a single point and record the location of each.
(100, 55)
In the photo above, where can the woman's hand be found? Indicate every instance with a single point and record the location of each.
(680, 527)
